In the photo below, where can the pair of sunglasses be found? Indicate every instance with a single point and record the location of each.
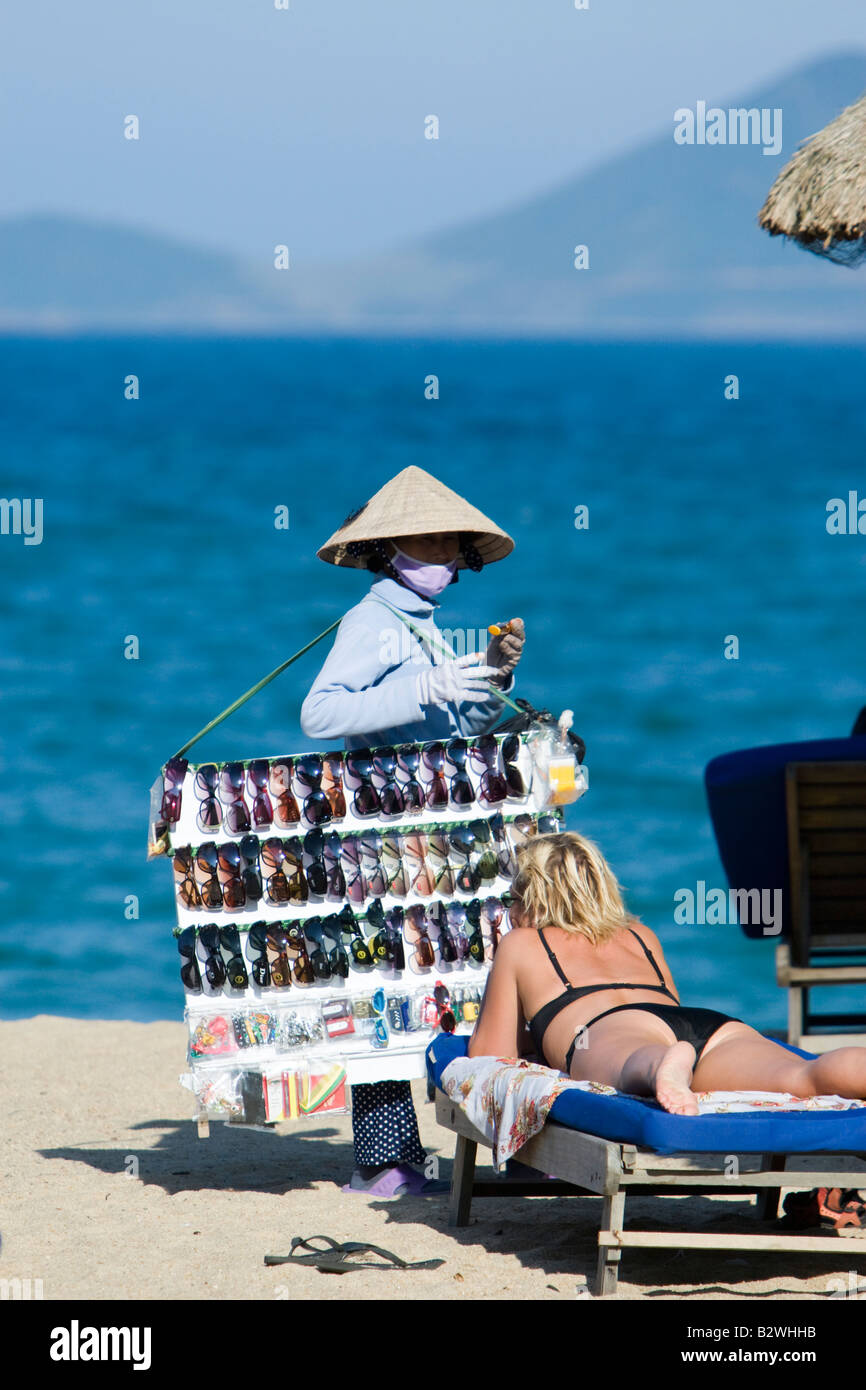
(184, 879)
(461, 788)
(325, 875)
(259, 773)
(492, 916)
(205, 865)
(173, 775)
(213, 785)
(359, 766)
(283, 865)
(466, 919)
(386, 946)
(238, 871)
(409, 761)
(417, 933)
(365, 872)
(332, 931)
(452, 943)
(426, 861)
(470, 842)
(514, 782)
(309, 771)
(391, 798)
(217, 972)
(285, 809)
(493, 783)
(322, 961)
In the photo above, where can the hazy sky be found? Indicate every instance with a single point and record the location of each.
(306, 126)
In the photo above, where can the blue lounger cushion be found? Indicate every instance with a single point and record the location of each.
(630, 1120)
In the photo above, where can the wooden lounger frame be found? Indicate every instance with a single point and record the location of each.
(826, 814)
(588, 1166)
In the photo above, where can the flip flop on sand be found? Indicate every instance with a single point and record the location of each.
(335, 1258)
(830, 1208)
(399, 1181)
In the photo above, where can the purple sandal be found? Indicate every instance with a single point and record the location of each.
(399, 1181)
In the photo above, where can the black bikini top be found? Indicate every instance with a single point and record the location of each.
(539, 1024)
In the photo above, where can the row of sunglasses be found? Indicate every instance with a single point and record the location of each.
(316, 788)
(237, 875)
(279, 954)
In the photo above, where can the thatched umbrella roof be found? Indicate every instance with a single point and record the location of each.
(819, 199)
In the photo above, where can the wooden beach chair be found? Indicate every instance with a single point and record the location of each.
(826, 818)
(609, 1146)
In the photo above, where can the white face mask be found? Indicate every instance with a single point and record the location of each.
(424, 578)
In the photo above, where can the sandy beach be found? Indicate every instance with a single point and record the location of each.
(109, 1193)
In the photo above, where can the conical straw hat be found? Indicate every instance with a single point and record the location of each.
(413, 504)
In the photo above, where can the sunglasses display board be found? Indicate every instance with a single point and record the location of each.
(335, 911)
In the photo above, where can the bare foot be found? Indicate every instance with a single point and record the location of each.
(673, 1077)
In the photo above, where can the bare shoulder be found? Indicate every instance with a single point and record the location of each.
(515, 945)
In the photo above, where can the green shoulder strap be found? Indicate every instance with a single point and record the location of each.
(260, 685)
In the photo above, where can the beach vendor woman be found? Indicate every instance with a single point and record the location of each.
(386, 683)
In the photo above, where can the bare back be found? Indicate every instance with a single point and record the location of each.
(621, 960)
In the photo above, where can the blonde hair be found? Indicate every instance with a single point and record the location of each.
(565, 881)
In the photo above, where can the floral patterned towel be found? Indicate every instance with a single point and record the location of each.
(739, 1102)
(509, 1101)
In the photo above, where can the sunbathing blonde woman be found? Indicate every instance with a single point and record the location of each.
(602, 1005)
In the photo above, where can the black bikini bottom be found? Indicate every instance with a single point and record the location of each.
(696, 1026)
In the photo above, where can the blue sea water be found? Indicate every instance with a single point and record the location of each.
(707, 519)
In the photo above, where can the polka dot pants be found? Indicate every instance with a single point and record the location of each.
(385, 1125)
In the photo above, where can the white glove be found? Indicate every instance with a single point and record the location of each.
(460, 681)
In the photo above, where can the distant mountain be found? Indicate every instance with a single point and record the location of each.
(674, 249)
(63, 271)
(674, 245)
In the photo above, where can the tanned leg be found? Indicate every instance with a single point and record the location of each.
(738, 1058)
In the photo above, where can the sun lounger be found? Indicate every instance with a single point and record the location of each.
(826, 806)
(608, 1146)
(790, 821)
